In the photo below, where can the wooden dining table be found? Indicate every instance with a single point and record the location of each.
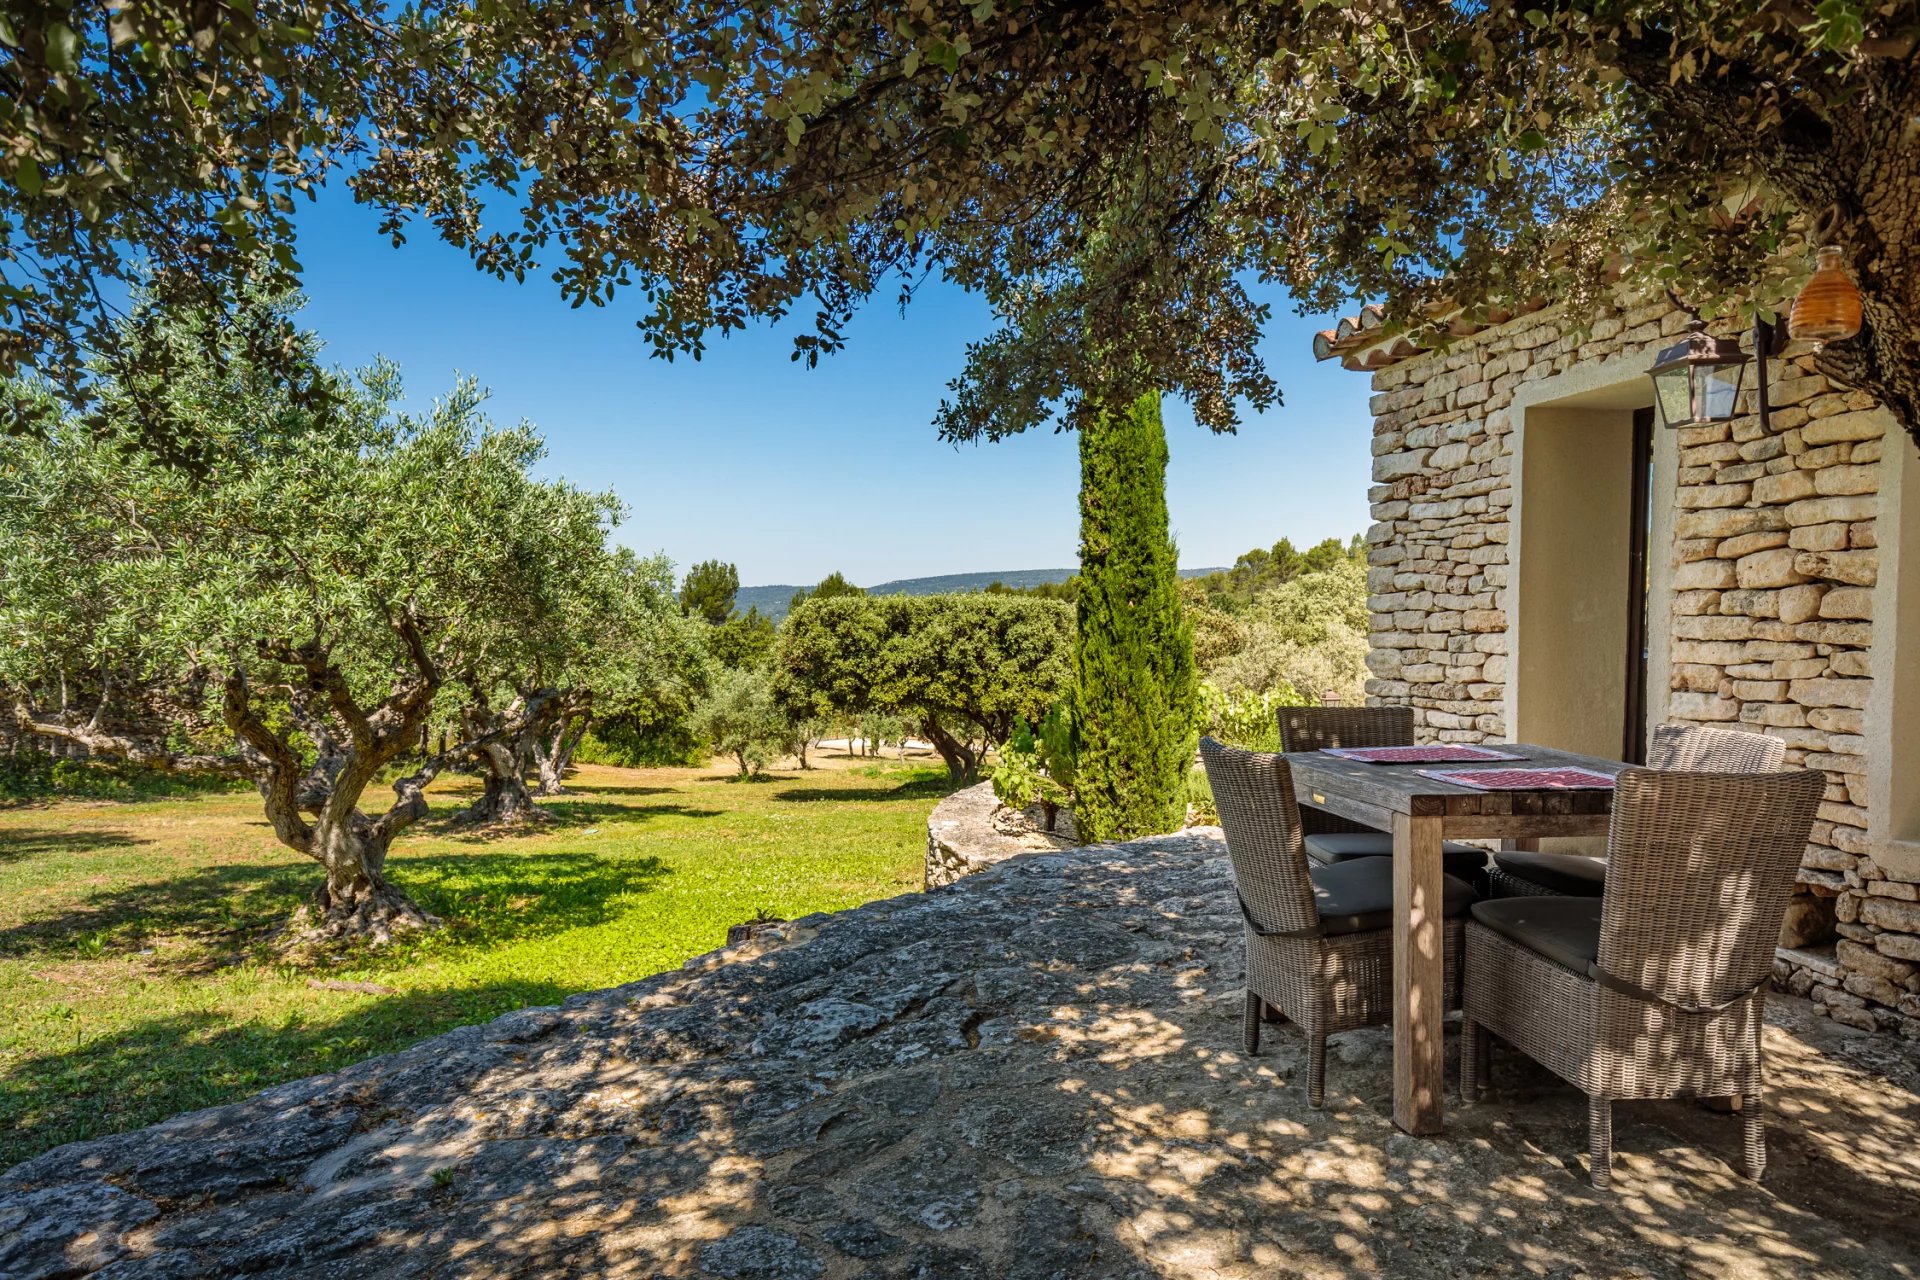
(1422, 812)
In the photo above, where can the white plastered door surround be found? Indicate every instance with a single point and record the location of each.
(1567, 591)
(1893, 706)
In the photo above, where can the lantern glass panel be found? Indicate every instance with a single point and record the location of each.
(1716, 391)
(1672, 390)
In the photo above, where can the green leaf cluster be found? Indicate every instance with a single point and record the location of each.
(1107, 180)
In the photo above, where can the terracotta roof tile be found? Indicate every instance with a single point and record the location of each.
(1361, 341)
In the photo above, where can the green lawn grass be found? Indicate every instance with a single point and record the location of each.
(136, 979)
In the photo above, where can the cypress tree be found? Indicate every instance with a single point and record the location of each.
(1135, 689)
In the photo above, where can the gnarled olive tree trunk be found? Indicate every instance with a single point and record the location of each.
(316, 809)
(313, 804)
(962, 761)
(509, 740)
(553, 753)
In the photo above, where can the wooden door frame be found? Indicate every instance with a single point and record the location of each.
(1634, 736)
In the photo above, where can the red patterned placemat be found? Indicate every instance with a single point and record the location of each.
(1562, 779)
(1439, 753)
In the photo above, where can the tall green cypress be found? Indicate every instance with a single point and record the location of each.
(1135, 692)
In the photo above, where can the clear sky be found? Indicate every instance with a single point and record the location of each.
(792, 473)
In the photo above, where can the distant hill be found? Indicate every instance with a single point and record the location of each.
(772, 600)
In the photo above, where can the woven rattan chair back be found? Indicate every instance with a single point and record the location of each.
(1699, 869)
(1253, 793)
(1317, 728)
(1705, 749)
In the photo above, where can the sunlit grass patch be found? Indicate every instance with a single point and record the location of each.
(138, 979)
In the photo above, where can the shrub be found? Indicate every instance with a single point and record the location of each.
(1017, 775)
(651, 747)
(1200, 797)
(1249, 720)
(28, 774)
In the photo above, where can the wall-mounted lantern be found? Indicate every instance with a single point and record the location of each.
(1697, 380)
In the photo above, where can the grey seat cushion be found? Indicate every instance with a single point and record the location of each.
(1564, 930)
(1356, 896)
(1567, 873)
(1341, 846)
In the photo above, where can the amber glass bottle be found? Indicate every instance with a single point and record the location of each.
(1828, 308)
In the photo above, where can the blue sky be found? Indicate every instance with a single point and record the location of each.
(791, 473)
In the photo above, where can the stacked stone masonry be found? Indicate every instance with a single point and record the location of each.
(1775, 558)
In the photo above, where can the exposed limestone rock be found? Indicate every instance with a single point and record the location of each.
(1034, 1074)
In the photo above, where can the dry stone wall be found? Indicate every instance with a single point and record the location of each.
(965, 836)
(1775, 558)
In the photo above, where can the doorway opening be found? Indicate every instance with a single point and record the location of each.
(1581, 601)
(1633, 747)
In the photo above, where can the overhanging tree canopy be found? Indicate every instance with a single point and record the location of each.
(1108, 177)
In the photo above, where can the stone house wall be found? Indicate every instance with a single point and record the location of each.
(1773, 564)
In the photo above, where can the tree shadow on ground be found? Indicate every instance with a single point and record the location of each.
(489, 899)
(559, 815)
(185, 1061)
(576, 786)
(228, 913)
(585, 812)
(21, 843)
(923, 788)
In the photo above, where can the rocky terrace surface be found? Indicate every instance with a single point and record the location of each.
(1034, 1073)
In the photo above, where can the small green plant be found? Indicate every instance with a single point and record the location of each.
(1039, 770)
(1249, 720)
(1200, 798)
(1060, 757)
(1017, 779)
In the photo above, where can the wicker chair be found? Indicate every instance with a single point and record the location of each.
(1319, 940)
(1696, 747)
(1656, 989)
(1330, 838)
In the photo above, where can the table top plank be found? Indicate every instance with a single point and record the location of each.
(1402, 788)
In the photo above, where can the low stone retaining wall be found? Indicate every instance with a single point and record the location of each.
(962, 837)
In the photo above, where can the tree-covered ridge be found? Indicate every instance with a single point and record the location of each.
(1261, 570)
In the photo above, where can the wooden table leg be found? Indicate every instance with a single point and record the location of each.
(1419, 975)
(1521, 844)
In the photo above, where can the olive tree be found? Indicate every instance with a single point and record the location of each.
(289, 616)
(646, 662)
(595, 633)
(966, 668)
(739, 717)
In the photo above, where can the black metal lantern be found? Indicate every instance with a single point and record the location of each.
(1697, 380)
